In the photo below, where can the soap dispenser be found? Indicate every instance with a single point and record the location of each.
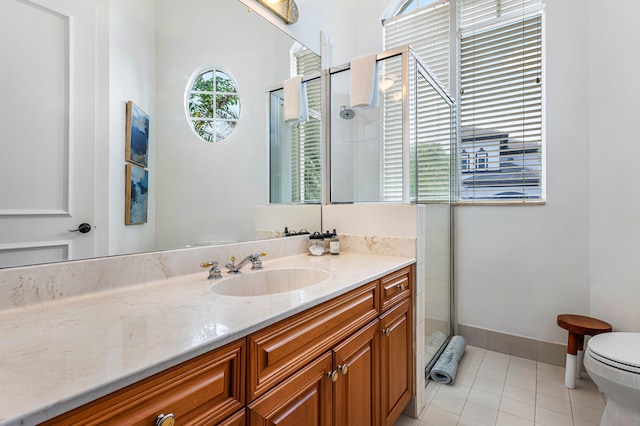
(334, 243)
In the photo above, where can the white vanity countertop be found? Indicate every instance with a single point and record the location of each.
(60, 355)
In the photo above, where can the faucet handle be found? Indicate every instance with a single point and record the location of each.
(213, 263)
(256, 262)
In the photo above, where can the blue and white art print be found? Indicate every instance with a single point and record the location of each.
(137, 181)
(137, 144)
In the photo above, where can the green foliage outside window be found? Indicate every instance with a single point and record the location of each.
(215, 110)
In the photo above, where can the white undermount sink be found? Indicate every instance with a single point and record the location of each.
(269, 281)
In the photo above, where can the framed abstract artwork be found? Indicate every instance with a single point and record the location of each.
(137, 136)
(137, 195)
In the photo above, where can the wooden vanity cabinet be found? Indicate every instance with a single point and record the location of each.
(345, 362)
(368, 330)
(205, 390)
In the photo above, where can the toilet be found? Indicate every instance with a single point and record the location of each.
(613, 363)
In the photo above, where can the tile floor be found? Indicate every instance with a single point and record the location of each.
(492, 388)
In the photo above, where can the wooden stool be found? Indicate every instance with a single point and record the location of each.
(578, 326)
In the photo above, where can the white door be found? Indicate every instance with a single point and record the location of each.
(47, 136)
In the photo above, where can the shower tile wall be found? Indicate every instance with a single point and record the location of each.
(355, 148)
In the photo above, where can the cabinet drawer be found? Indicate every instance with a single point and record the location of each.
(278, 351)
(395, 287)
(204, 390)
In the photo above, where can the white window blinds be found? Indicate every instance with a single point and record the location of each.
(306, 155)
(500, 150)
(427, 30)
(499, 154)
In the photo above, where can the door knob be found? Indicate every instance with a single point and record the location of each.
(83, 228)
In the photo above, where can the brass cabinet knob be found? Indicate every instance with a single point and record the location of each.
(333, 375)
(165, 420)
(344, 369)
(386, 331)
(400, 287)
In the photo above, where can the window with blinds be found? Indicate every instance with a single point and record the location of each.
(499, 70)
(306, 153)
(500, 100)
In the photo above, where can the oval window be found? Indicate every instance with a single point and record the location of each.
(213, 104)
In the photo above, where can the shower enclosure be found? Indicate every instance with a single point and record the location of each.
(399, 151)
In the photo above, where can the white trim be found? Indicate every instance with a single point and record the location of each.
(67, 203)
(34, 212)
(36, 244)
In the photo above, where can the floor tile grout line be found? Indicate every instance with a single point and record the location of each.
(550, 370)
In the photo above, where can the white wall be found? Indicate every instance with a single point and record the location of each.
(578, 253)
(208, 191)
(356, 29)
(131, 77)
(614, 147)
(518, 267)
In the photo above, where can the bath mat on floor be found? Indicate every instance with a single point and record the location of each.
(444, 370)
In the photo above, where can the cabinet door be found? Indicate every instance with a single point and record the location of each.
(397, 361)
(356, 391)
(303, 399)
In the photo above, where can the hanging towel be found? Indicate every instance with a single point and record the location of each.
(296, 109)
(444, 370)
(364, 81)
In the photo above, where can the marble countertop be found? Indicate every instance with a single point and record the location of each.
(60, 355)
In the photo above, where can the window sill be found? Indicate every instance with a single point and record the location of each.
(501, 203)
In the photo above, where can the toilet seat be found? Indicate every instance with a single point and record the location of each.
(618, 350)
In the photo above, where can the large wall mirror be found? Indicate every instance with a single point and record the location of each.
(145, 51)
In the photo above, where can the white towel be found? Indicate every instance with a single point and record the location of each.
(364, 81)
(296, 108)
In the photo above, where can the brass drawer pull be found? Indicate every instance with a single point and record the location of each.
(165, 420)
(386, 331)
(400, 287)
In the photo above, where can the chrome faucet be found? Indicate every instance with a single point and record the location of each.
(214, 272)
(254, 258)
